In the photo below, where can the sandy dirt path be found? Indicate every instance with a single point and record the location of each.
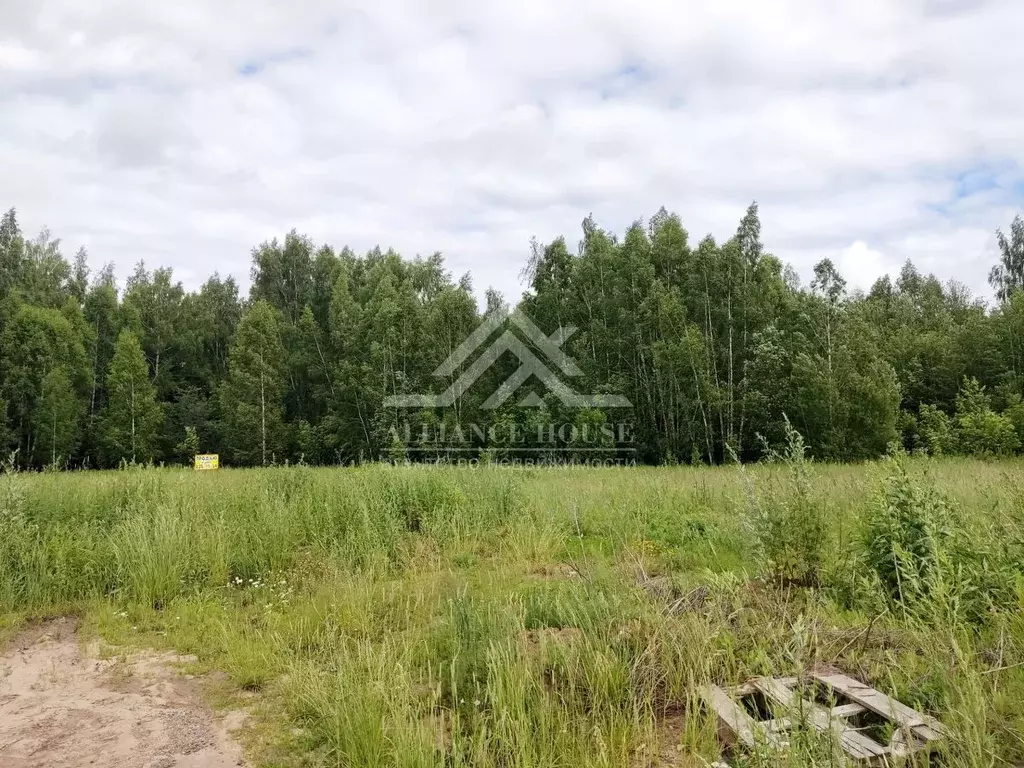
(62, 708)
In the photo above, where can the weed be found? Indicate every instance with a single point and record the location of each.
(787, 519)
(499, 617)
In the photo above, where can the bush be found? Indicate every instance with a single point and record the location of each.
(901, 533)
(987, 434)
(1015, 413)
(918, 546)
(17, 534)
(980, 430)
(788, 522)
(935, 431)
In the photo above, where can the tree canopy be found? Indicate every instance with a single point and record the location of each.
(716, 345)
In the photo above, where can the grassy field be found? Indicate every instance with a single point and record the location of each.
(558, 617)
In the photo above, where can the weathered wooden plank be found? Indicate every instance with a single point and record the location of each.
(923, 726)
(733, 721)
(735, 725)
(848, 710)
(855, 744)
(747, 688)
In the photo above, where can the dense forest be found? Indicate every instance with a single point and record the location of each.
(715, 344)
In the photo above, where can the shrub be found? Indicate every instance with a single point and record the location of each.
(919, 548)
(980, 430)
(935, 431)
(788, 522)
(900, 534)
(1015, 413)
(987, 434)
(17, 533)
(189, 446)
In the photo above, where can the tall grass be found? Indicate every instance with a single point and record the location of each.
(511, 617)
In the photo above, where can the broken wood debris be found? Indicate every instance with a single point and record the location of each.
(850, 708)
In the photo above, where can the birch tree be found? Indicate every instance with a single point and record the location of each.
(59, 418)
(252, 397)
(133, 418)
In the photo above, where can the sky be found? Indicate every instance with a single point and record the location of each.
(185, 133)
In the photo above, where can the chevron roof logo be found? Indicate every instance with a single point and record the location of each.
(530, 365)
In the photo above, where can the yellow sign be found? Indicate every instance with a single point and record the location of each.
(208, 461)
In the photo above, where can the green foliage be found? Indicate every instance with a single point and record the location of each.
(252, 395)
(986, 434)
(711, 341)
(976, 430)
(1007, 276)
(133, 417)
(58, 418)
(5, 430)
(1015, 413)
(972, 398)
(152, 310)
(935, 431)
(902, 531)
(788, 521)
(926, 556)
(188, 448)
(12, 247)
(497, 617)
(35, 343)
(981, 431)
(17, 535)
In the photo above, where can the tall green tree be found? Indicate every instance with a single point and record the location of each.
(1008, 275)
(45, 278)
(133, 418)
(12, 253)
(252, 396)
(153, 310)
(715, 345)
(283, 275)
(102, 314)
(59, 420)
(35, 341)
(980, 431)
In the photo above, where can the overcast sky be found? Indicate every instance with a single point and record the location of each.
(184, 133)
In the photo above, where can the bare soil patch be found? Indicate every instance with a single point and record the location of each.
(61, 707)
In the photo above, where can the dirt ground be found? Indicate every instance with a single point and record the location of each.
(62, 707)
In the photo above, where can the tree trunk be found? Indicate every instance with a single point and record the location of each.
(133, 420)
(95, 375)
(263, 410)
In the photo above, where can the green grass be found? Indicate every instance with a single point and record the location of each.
(511, 617)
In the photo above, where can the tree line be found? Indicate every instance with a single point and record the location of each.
(716, 344)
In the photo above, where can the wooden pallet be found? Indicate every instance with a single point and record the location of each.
(853, 701)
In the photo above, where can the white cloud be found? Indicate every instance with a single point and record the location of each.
(861, 265)
(16, 57)
(870, 132)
